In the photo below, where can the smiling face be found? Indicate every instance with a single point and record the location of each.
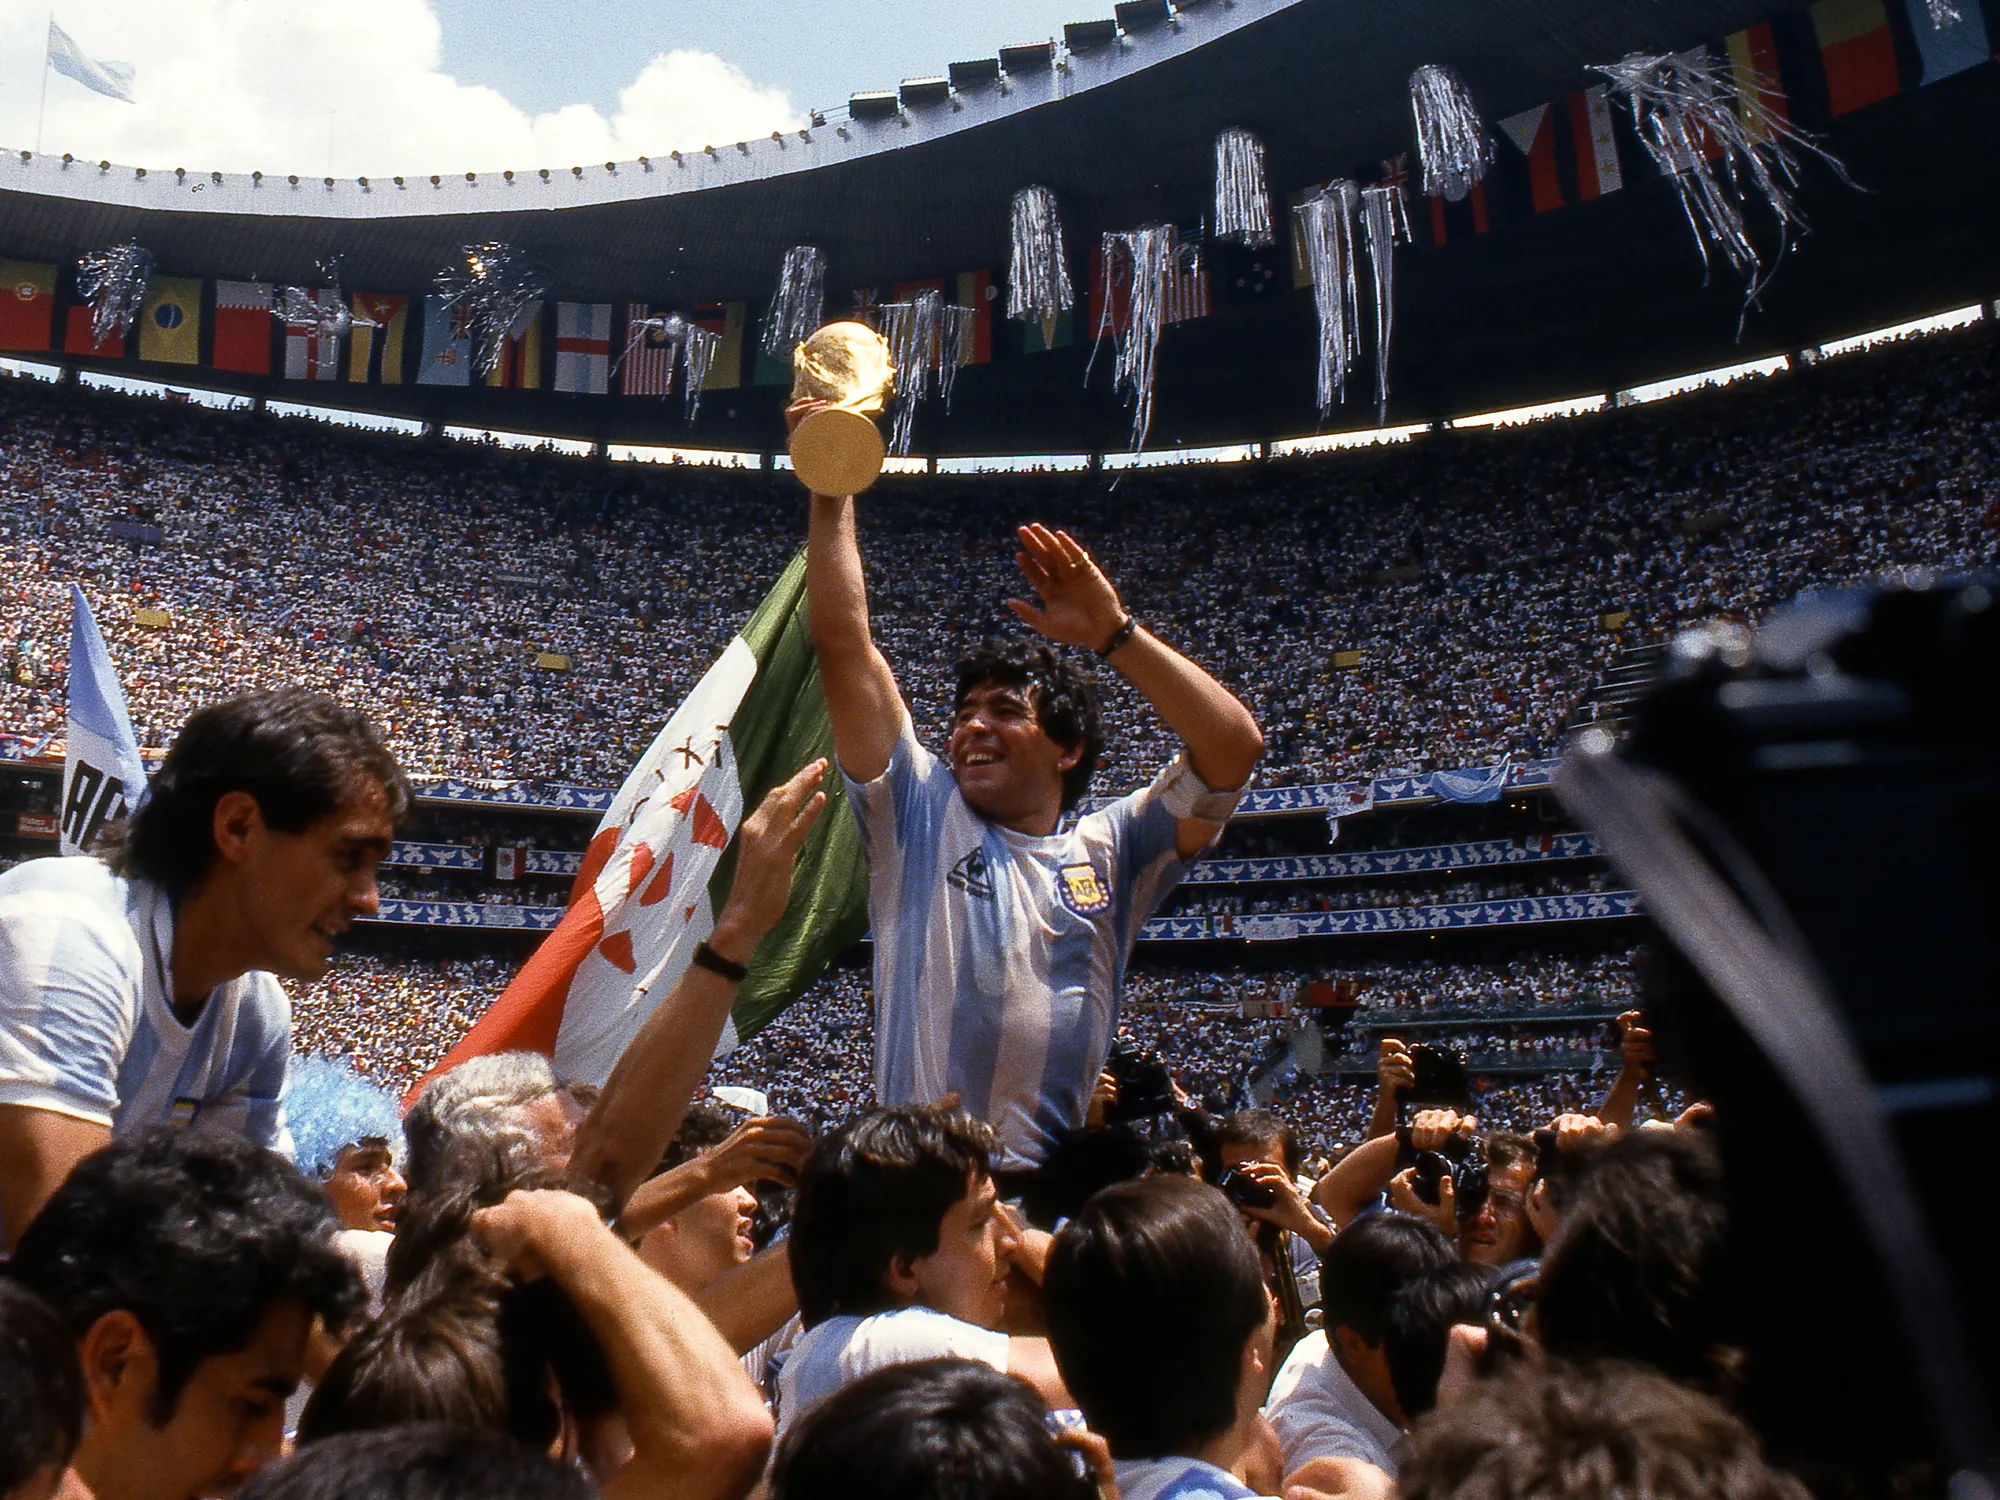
(296, 893)
(966, 1276)
(1008, 769)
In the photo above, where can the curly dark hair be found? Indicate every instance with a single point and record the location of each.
(299, 753)
(1064, 694)
(197, 1234)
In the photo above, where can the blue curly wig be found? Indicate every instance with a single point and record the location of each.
(330, 1107)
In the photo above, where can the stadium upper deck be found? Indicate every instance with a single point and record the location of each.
(1562, 296)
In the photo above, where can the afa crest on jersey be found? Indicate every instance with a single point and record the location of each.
(1082, 891)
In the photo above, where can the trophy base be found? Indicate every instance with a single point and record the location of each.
(837, 452)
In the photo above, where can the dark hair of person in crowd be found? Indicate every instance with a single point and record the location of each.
(1081, 1164)
(429, 1461)
(1256, 1127)
(41, 1390)
(196, 1233)
(1370, 1260)
(705, 1126)
(1635, 1270)
(1153, 1292)
(1064, 695)
(460, 1342)
(875, 1190)
(1421, 1314)
(1592, 1432)
(938, 1429)
(299, 753)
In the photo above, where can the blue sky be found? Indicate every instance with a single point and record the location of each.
(347, 87)
(543, 56)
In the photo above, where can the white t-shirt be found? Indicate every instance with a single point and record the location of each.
(1000, 956)
(828, 1355)
(86, 1024)
(1177, 1479)
(1319, 1412)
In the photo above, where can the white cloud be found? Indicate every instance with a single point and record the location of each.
(342, 87)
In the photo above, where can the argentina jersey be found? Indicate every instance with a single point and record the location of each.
(86, 1024)
(1000, 956)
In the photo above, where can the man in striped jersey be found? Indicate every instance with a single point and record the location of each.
(143, 987)
(1001, 940)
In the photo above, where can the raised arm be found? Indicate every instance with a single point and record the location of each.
(637, 1116)
(1635, 1066)
(699, 1429)
(1081, 608)
(861, 697)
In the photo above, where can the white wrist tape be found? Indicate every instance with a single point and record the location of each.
(1180, 787)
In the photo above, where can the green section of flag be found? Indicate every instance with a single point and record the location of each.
(1060, 333)
(781, 724)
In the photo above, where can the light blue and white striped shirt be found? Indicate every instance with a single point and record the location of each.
(87, 1027)
(1000, 956)
(1178, 1479)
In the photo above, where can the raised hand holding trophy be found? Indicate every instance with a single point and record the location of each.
(836, 448)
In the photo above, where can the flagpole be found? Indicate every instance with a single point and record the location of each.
(42, 109)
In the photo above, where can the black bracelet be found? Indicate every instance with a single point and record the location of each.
(707, 958)
(1118, 638)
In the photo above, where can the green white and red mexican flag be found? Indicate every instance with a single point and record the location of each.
(659, 867)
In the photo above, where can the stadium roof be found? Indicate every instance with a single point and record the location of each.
(1121, 124)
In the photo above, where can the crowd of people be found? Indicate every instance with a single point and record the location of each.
(393, 1016)
(1471, 571)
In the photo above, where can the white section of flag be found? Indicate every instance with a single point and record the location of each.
(311, 353)
(1602, 146)
(112, 78)
(447, 343)
(691, 759)
(583, 347)
(245, 296)
(1522, 129)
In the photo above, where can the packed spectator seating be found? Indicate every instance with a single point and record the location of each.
(425, 578)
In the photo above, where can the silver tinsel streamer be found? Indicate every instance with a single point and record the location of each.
(113, 282)
(496, 283)
(800, 304)
(1385, 221)
(1242, 197)
(1451, 141)
(1944, 14)
(692, 350)
(1038, 288)
(1326, 233)
(1155, 255)
(1686, 104)
(928, 339)
(327, 311)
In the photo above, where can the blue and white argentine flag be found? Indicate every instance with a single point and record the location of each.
(103, 777)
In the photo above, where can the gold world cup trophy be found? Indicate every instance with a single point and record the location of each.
(837, 449)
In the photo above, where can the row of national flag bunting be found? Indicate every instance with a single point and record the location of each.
(1811, 66)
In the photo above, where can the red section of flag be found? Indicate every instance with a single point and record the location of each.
(242, 335)
(77, 337)
(25, 321)
(642, 861)
(708, 828)
(662, 883)
(617, 951)
(602, 846)
(1477, 194)
(1544, 184)
(1110, 292)
(529, 1012)
(1860, 71)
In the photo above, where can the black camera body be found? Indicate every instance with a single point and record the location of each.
(1442, 1079)
(1245, 1191)
(1144, 1087)
(1838, 775)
